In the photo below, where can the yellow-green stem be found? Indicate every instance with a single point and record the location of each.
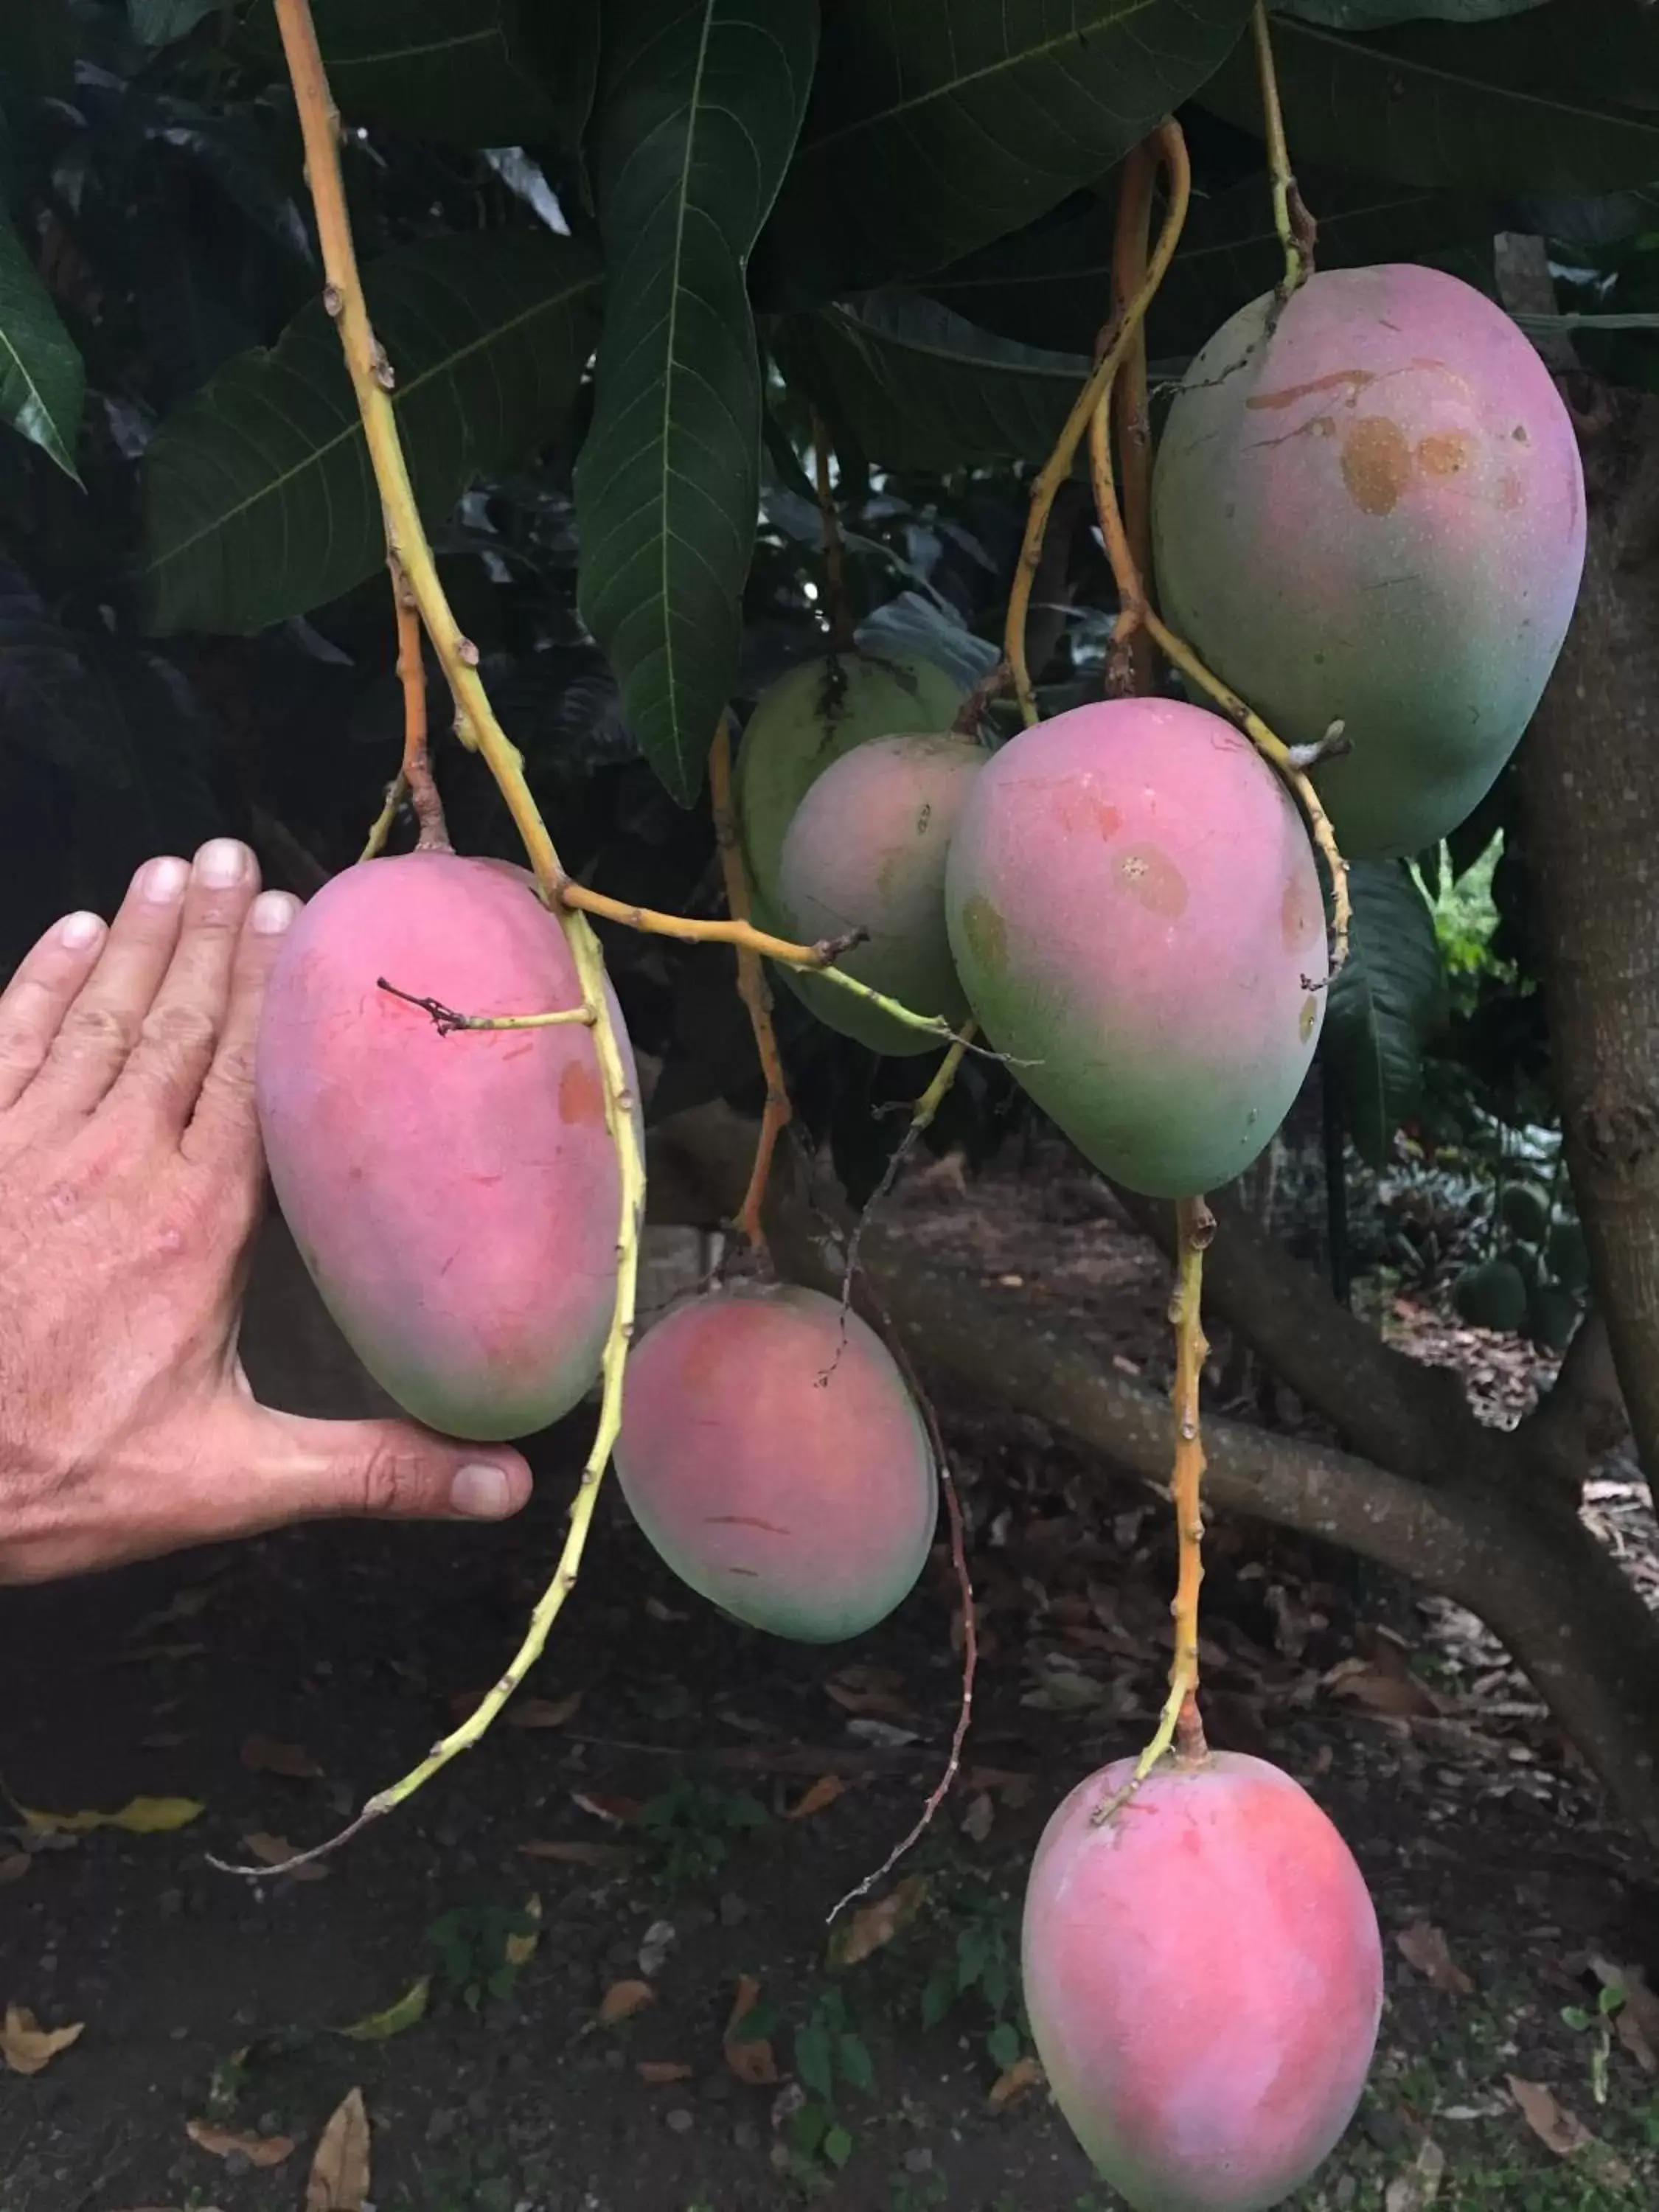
(1290, 217)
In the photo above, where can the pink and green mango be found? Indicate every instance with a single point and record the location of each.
(1135, 911)
(771, 1454)
(1203, 1978)
(455, 1198)
(1376, 515)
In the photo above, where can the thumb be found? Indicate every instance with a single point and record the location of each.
(306, 1469)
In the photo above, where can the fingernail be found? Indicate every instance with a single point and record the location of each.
(77, 931)
(271, 913)
(164, 881)
(483, 1492)
(221, 863)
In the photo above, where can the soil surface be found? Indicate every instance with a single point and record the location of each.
(541, 1952)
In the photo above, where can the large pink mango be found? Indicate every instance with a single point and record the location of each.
(772, 1454)
(1376, 515)
(1203, 1978)
(1135, 913)
(455, 1198)
(866, 849)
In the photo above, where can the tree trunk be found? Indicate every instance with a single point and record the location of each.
(1589, 782)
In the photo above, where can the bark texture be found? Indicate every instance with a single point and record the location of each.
(1590, 782)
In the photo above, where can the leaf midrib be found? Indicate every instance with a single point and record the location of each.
(957, 84)
(352, 427)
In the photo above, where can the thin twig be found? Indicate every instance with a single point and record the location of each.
(1295, 226)
(1173, 149)
(446, 1021)
(971, 713)
(372, 379)
(941, 1789)
(751, 988)
(921, 1119)
(1179, 1725)
(841, 637)
(417, 771)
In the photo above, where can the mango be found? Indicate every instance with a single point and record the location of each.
(1135, 911)
(805, 722)
(1376, 514)
(866, 849)
(1203, 1974)
(455, 1198)
(772, 1456)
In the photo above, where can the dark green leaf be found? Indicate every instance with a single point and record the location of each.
(159, 22)
(1003, 2045)
(1494, 108)
(259, 496)
(918, 387)
(1378, 14)
(938, 1996)
(699, 104)
(837, 2147)
(42, 382)
(1385, 1003)
(466, 72)
(812, 2059)
(856, 2066)
(939, 124)
(1049, 286)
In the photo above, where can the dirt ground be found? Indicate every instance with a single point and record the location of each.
(685, 1802)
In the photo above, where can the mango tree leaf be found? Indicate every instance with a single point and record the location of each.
(698, 107)
(40, 45)
(1377, 15)
(159, 22)
(42, 382)
(918, 387)
(937, 125)
(466, 72)
(1049, 286)
(1385, 1002)
(259, 501)
(1496, 107)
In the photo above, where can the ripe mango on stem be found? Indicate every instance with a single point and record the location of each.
(801, 725)
(866, 850)
(455, 1198)
(773, 1457)
(1372, 510)
(1204, 1978)
(1135, 912)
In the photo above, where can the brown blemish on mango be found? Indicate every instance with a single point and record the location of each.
(1376, 464)
(1510, 493)
(1306, 1018)
(581, 1098)
(1150, 876)
(1444, 453)
(986, 932)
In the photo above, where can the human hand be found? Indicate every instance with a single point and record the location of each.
(132, 1183)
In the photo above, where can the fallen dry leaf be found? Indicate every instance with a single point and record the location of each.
(27, 2046)
(749, 2057)
(813, 1799)
(1415, 2190)
(338, 2181)
(14, 1867)
(579, 1853)
(139, 1816)
(1424, 1946)
(1014, 2083)
(622, 1999)
(1399, 1697)
(656, 2071)
(275, 1850)
(542, 1712)
(380, 2026)
(873, 1925)
(225, 2142)
(1555, 2127)
(262, 1755)
(617, 1811)
(976, 1820)
(1636, 2022)
(521, 1949)
(883, 1703)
